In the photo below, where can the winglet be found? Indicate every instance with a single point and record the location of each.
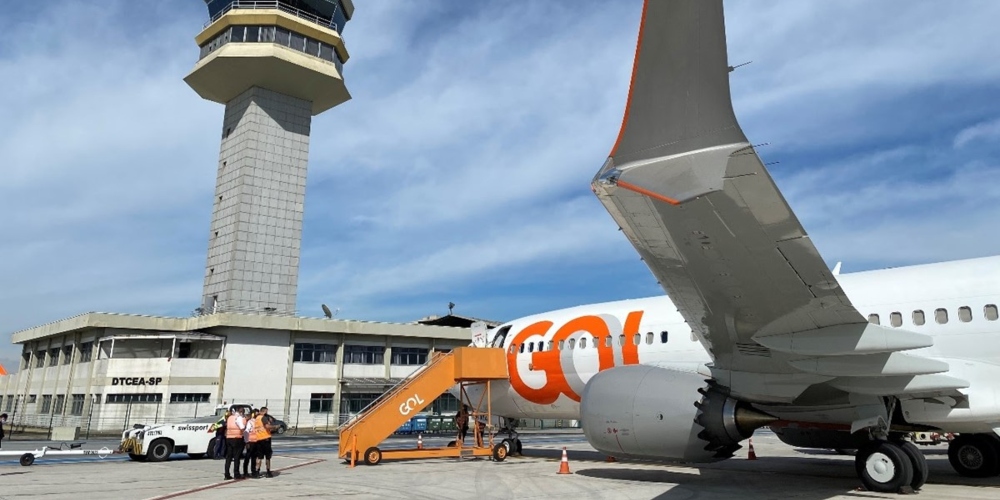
(836, 269)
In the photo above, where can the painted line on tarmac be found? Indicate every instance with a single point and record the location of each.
(230, 481)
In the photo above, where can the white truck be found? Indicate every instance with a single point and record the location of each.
(157, 442)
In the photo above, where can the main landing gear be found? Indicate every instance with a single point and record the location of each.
(512, 443)
(891, 466)
(975, 455)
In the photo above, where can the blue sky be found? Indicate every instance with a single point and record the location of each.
(460, 169)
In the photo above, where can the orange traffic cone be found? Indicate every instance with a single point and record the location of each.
(564, 464)
(750, 454)
(420, 441)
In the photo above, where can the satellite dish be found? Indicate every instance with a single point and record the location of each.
(326, 311)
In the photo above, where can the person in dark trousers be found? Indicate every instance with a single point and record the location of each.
(3, 420)
(250, 446)
(462, 421)
(219, 428)
(263, 426)
(234, 442)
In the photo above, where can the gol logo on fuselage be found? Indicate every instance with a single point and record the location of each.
(558, 366)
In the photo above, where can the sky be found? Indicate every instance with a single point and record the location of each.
(459, 171)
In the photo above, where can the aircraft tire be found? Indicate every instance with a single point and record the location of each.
(920, 469)
(517, 447)
(974, 455)
(883, 467)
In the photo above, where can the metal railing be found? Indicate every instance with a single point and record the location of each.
(273, 5)
(379, 401)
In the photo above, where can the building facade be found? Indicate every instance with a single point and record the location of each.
(105, 372)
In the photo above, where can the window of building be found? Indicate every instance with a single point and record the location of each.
(25, 360)
(46, 404)
(32, 398)
(990, 310)
(134, 398)
(446, 403)
(316, 353)
(649, 338)
(60, 402)
(583, 342)
(76, 405)
(873, 319)
(54, 356)
(364, 354)
(664, 335)
(896, 319)
(86, 351)
(409, 355)
(67, 354)
(357, 401)
(965, 314)
(10, 403)
(941, 316)
(40, 359)
(918, 317)
(189, 397)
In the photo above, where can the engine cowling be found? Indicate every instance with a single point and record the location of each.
(652, 412)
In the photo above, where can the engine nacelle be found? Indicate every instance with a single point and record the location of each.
(650, 412)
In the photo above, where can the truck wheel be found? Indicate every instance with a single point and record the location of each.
(499, 452)
(160, 450)
(373, 456)
(27, 459)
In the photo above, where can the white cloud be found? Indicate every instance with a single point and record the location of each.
(460, 169)
(978, 132)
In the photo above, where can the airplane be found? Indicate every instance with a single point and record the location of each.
(755, 330)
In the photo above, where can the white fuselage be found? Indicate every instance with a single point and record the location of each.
(551, 356)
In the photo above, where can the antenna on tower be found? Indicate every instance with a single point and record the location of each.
(451, 305)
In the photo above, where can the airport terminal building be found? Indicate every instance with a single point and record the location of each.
(104, 372)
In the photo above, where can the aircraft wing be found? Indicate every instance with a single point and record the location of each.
(692, 196)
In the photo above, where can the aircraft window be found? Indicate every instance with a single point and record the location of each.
(583, 342)
(873, 319)
(621, 339)
(607, 341)
(918, 317)
(896, 319)
(649, 338)
(513, 348)
(572, 343)
(549, 347)
(522, 346)
(562, 344)
(965, 314)
(991, 312)
(941, 316)
(663, 336)
(636, 338)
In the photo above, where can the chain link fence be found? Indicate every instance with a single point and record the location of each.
(297, 418)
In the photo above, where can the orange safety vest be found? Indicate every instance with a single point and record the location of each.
(260, 431)
(232, 431)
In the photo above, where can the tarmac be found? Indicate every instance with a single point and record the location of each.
(309, 467)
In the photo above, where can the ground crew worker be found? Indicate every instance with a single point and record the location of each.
(235, 424)
(462, 421)
(263, 425)
(219, 428)
(249, 449)
(3, 420)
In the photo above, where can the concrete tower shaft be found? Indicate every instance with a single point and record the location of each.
(274, 64)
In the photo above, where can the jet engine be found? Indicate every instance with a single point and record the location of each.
(659, 413)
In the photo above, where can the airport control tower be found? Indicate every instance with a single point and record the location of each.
(274, 64)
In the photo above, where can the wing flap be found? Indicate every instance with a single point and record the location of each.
(845, 339)
(916, 385)
(870, 365)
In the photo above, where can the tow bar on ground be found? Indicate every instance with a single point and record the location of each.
(28, 457)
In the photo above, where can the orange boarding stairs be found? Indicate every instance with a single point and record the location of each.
(380, 420)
